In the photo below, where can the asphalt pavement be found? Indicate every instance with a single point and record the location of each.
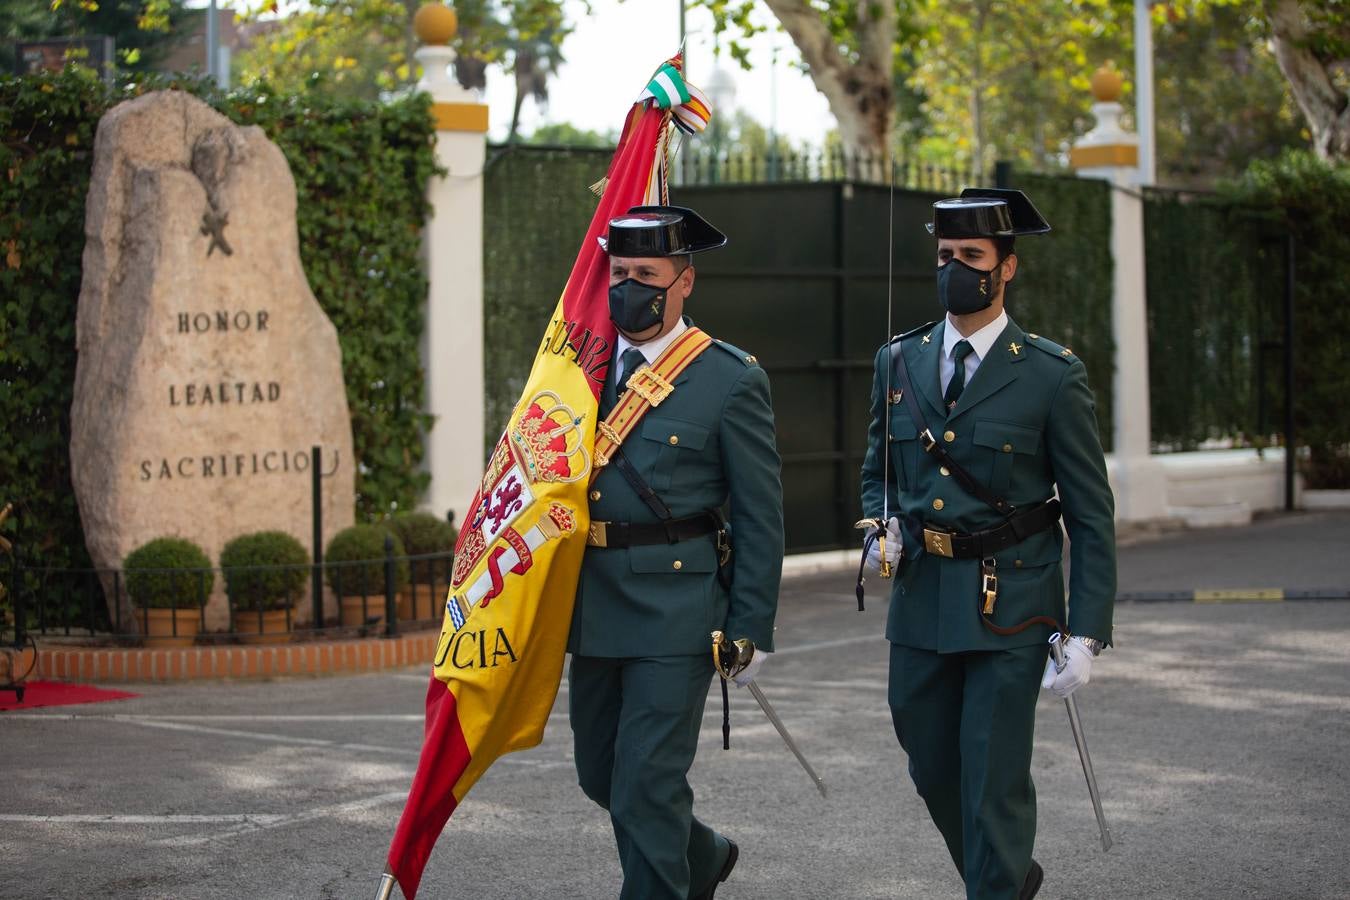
(1218, 732)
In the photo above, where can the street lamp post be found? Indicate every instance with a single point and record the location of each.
(1143, 92)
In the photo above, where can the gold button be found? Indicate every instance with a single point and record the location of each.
(949, 436)
(595, 495)
(674, 439)
(1007, 448)
(944, 470)
(1017, 564)
(677, 564)
(1033, 336)
(938, 504)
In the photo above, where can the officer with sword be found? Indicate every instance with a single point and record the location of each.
(688, 431)
(983, 438)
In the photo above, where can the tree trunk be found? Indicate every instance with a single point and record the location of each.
(861, 94)
(1324, 105)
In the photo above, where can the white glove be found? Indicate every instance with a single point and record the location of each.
(1077, 669)
(893, 548)
(747, 675)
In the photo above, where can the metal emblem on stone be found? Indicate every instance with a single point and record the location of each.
(204, 378)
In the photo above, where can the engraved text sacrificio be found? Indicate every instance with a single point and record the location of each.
(231, 465)
(224, 392)
(222, 320)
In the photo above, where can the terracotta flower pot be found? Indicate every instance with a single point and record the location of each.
(353, 617)
(421, 602)
(161, 625)
(273, 629)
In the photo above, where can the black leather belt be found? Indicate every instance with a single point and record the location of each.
(617, 535)
(984, 544)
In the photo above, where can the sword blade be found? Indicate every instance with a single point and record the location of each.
(777, 723)
(1076, 725)
(1080, 740)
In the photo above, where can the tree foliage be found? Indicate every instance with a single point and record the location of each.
(365, 48)
(144, 31)
(1312, 43)
(975, 81)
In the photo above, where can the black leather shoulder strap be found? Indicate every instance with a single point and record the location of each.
(644, 490)
(931, 445)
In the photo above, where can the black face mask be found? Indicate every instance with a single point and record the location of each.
(635, 307)
(963, 289)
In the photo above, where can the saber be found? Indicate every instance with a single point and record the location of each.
(730, 659)
(772, 716)
(1076, 725)
(386, 888)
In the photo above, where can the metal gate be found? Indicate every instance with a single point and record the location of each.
(802, 285)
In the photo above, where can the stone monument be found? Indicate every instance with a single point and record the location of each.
(206, 370)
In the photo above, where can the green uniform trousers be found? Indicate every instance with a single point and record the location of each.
(635, 725)
(966, 721)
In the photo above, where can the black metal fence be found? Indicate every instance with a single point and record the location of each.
(701, 166)
(95, 603)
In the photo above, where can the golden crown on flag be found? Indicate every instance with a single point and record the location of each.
(549, 441)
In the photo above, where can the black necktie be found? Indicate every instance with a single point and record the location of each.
(632, 358)
(958, 382)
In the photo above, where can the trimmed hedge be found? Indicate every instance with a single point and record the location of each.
(249, 585)
(360, 170)
(361, 548)
(169, 573)
(1310, 200)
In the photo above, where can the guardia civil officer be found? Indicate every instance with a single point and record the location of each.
(664, 567)
(986, 424)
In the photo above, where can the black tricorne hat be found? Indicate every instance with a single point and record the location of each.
(986, 213)
(646, 231)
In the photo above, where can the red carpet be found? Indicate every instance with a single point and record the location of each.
(58, 693)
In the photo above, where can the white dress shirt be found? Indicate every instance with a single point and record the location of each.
(651, 349)
(981, 342)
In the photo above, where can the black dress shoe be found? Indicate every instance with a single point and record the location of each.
(1032, 884)
(732, 855)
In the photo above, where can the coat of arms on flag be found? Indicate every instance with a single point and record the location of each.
(499, 658)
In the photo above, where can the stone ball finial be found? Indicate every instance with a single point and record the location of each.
(435, 23)
(1107, 83)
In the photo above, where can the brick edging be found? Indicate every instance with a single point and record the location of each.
(90, 665)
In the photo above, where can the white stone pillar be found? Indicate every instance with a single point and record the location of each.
(1109, 153)
(452, 341)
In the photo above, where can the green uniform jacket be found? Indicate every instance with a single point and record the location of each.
(709, 445)
(1024, 426)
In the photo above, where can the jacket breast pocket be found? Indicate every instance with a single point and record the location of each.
(673, 443)
(905, 449)
(1006, 441)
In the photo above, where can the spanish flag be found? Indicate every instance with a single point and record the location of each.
(499, 658)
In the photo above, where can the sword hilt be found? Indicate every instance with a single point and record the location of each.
(731, 657)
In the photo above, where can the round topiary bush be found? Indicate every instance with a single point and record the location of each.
(423, 533)
(360, 550)
(169, 573)
(264, 570)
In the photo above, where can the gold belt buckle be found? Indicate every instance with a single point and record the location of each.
(937, 542)
(649, 386)
(598, 534)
